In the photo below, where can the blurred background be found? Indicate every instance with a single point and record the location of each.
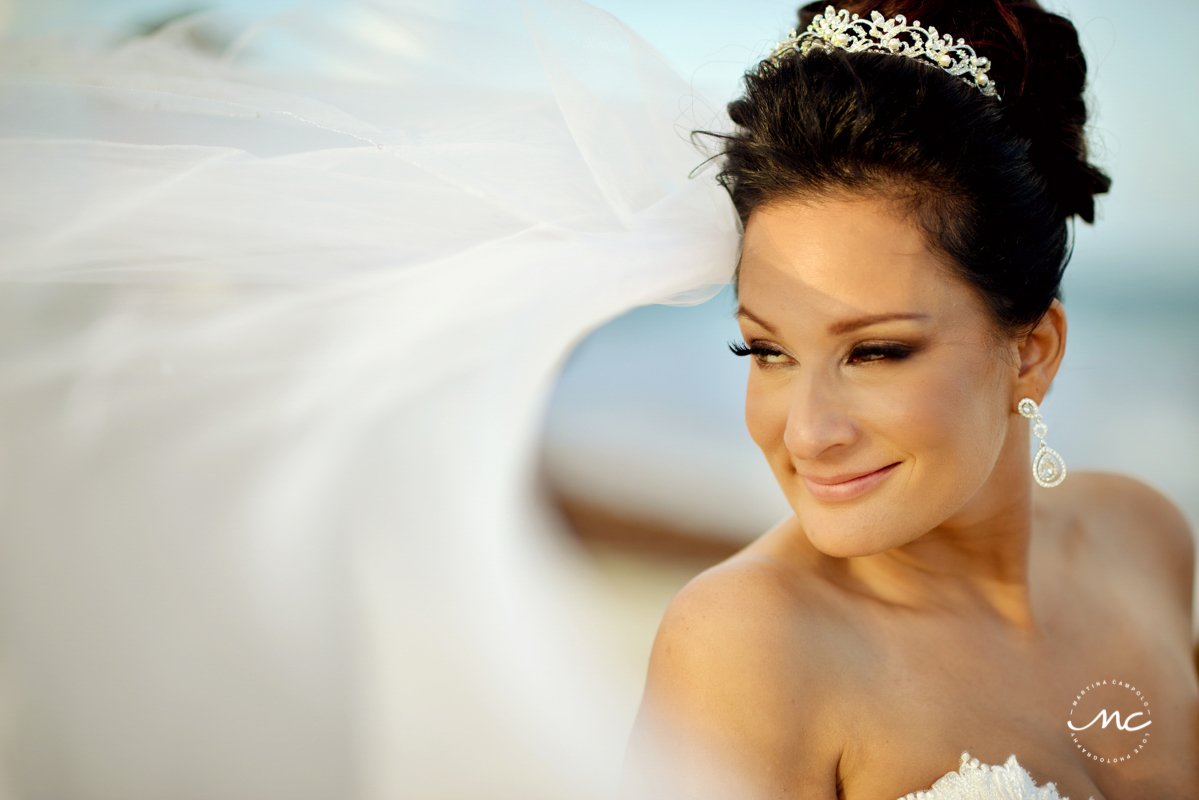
(645, 453)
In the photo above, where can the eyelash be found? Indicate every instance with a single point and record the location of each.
(861, 354)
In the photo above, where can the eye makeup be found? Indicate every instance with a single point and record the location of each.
(870, 352)
(859, 354)
(762, 354)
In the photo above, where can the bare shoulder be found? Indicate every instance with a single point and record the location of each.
(738, 616)
(1121, 492)
(736, 685)
(1136, 526)
(1144, 515)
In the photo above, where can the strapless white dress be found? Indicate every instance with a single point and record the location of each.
(974, 780)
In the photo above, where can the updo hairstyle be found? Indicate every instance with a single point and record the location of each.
(991, 183)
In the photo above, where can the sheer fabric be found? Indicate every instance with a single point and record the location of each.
(279, 319)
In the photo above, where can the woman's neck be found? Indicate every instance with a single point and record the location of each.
(976, 560)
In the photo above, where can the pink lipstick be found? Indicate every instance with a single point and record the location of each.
(847, 486)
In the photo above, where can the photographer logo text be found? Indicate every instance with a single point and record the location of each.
(1110, 721)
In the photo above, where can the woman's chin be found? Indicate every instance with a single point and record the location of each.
(841, 536)
(843, 547)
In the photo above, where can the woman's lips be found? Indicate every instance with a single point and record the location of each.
(845, 487)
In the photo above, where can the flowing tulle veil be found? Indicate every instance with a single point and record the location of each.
(279, 324)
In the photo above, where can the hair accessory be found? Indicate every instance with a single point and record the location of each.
(1048, 469)
(855, 35)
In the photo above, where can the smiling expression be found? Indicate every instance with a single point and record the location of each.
(879, 390)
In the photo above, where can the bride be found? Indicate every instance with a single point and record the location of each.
(905, 201)
(283, 298)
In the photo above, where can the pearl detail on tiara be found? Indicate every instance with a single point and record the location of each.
(855, 34)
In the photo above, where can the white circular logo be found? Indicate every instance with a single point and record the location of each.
(1110, 721)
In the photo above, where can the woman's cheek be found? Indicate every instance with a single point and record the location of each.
(917, 414)
(946, 426)
(766, 411)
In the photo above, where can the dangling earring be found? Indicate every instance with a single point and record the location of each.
(1048, 469)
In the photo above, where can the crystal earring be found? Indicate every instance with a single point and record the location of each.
(1048, 469)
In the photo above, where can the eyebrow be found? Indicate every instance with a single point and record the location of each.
(742, 311)
(842, 327)
(847, 325)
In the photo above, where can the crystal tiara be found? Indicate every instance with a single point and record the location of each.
(877, 34)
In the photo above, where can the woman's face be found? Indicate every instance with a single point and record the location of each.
(879, 391)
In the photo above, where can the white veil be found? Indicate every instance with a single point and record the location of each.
(278, 325)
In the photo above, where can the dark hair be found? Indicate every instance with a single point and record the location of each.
(991, 183)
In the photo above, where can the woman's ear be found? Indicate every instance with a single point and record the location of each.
(1041, 354)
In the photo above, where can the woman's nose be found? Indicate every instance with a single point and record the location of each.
(818, 419)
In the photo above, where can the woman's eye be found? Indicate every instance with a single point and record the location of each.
(763, 355)
(867, 353)
(771, 357)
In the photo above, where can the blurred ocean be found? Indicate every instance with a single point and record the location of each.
(647, 417)
(648, 414)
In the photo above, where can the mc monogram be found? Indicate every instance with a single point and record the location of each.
(1124, 726)
(1120, 735)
